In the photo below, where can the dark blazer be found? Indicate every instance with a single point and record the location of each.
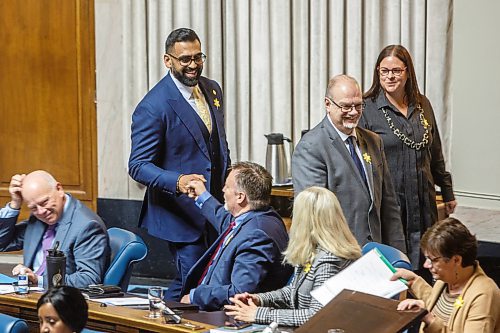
(322, 159)
(167, 141)
(82, 236)
(249, 261)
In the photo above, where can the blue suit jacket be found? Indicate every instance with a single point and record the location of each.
(81, 234)
(250, 260)
(166, 142)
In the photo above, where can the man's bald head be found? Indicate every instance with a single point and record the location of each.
(44, 196)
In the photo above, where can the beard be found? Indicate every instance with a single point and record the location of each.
(188, 81)
(350, 124)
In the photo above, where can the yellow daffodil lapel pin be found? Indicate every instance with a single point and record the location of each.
(425, 123)
(459, 302)
(367, 158)
(216, 100)
(307, 267)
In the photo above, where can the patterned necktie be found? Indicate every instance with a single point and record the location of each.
(47, 240)
(221, 241)
(351, 142)
(202, 108)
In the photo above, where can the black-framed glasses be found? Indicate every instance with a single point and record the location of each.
(186, 60)
(348, 108)
(433, 260)
(395, 71)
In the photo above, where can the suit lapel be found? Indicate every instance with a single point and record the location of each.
(29, 248)
(65, 223)
(186, 114)
(214, 101)
(363, 146)
(340, 146)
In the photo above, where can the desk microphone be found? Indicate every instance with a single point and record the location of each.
(168, 313)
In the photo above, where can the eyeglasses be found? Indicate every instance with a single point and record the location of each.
(395, 71)
(348, 108)
(186, 60)
(433, 260)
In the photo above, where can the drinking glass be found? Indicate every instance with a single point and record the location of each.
(155, 297)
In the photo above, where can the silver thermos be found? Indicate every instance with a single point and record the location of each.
(277, 162)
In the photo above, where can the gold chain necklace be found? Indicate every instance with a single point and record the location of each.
(406, 140)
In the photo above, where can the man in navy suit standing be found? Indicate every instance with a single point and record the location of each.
(178, 136)
(248, 252)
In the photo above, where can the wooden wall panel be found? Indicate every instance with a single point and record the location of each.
(47, 90)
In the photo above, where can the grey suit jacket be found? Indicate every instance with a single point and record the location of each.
(82, 236)
(322, 159)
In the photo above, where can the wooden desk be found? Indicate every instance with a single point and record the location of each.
(111, 318)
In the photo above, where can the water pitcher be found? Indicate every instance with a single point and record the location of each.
(277, 162)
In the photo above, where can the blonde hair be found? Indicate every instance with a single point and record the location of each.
(318, 221)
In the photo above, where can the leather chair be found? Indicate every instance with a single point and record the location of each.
(397, 258)
(9, 324)
(127, 249)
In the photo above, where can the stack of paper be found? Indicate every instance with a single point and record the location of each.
(369, 274)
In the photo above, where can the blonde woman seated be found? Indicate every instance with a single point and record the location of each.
(463, 299)
(320, 246)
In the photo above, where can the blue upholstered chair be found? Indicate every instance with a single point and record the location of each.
(127, 248)
(397, 258)
(86, 330)
(9, 324)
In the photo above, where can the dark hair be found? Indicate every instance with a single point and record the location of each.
(180, 35)
(69, 304)
(411, 87)
(450, 237)
(255, 181)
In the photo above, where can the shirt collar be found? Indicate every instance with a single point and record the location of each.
(186, 91)
(240, 218)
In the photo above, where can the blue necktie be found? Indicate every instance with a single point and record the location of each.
(355, 158)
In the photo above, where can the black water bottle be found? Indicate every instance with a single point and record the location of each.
(56, 267)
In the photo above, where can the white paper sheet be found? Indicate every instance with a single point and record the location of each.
(369, 274)
(124, 301)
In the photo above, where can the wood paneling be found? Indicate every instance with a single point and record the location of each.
(47, 90)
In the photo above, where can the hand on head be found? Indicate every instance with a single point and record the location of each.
(15, 188)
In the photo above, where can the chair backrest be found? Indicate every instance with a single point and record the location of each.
(397, 258)
(127, 248)
(9, 324)
(86, 330)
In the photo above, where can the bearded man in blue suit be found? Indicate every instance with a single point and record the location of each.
(178, 136)
(248, 252)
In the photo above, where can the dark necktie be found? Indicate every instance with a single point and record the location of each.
(351, 141)
(221, 241)
(48, 238)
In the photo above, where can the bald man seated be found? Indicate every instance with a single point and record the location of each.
(55, 217)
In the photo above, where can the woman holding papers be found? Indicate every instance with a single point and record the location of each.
(320, 246)
(463, 298)
(62, 310)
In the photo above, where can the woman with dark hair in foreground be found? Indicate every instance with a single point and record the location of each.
(62, 310)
